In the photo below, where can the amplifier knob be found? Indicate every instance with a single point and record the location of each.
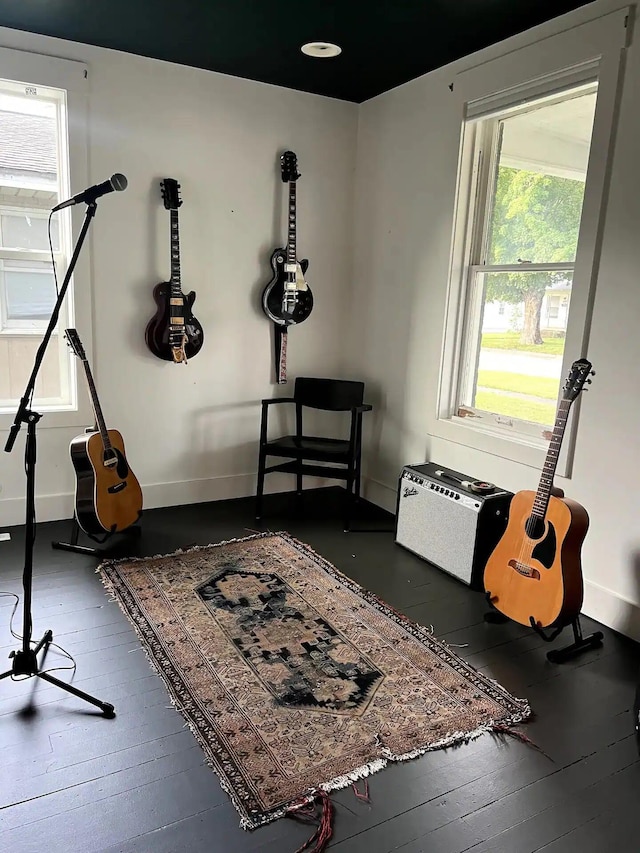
(457, 497)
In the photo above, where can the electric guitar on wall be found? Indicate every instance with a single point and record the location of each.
(108, 495)
(287, 299)
(534, 575)
(173, 334)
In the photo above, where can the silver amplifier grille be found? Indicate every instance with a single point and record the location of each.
(438, 523)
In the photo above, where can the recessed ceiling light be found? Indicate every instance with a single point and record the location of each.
(323, 49)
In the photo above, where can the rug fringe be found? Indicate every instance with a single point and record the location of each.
(307, 813)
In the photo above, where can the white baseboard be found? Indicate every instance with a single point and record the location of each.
(612, 609)
(380, 494)
(56, 507)
(48, 508)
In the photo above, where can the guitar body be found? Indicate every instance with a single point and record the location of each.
(158, 328)
(539, 575)
(108, 498)
(272, 297)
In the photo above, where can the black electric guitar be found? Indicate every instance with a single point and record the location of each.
(108, 495)
(173, 334)
(287, 299)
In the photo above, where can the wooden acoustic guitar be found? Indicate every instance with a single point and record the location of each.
(534, 575)
(287, 299)
(173, 333)
(108, 496)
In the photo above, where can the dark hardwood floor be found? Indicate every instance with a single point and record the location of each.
(71, 780)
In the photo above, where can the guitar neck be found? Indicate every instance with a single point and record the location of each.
(176, 287)
(543, 494)
(291, 238)
(96, 406)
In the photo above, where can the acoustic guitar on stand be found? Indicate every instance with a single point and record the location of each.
(173, 334)
(287, 299)
(108, 496)
(534, 575)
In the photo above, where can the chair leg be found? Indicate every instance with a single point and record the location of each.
(260, 486)
(299, 479)
(357, 489)
(349, 499)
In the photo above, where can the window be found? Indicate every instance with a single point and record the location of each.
(535, 157)
(34, 169)
(531, 165)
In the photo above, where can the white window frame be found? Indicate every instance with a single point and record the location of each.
(484, 136)
(46, 72)
(591, 51)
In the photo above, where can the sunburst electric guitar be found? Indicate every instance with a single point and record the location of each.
(287, 299)
(534, 575)
(108, 495)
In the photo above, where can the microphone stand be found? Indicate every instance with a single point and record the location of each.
(24, 660)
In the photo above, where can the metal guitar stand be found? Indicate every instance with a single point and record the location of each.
(25, 660)
(72, 545)
(580, 642)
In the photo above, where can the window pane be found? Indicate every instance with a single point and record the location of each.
(519, 360)
(28, 153)
(539, 183)
(29, 290)
(26, 231)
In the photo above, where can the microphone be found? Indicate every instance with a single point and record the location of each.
(116, 182)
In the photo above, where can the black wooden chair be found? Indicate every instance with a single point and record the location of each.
(341, 456)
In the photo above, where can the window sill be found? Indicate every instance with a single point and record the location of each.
(517, 448)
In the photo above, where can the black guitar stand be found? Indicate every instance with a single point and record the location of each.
(72, 544)
(25, 660)
(580, 643)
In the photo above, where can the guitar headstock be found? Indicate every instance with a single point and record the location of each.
(576, 380)
(73, 339)
(289, 167)
(171, 193)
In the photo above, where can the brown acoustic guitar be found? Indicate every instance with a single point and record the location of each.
(108, 496)
(534, 575)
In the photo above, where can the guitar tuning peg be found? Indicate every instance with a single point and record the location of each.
(593, 373)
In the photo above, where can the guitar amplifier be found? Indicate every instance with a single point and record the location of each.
(441, 519)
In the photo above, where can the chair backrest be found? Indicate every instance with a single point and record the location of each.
(335, 395)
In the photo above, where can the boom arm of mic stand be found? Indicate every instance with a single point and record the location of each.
(23, 408)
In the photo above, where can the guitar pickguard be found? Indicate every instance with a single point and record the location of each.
(122, 468)
(545, 551)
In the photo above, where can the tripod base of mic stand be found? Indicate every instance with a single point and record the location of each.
(25, 662)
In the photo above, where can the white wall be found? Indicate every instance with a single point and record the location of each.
(408, 142)
(191, 432)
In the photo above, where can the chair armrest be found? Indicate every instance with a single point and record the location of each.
(278, 400)
(364, 408)
(265, 415)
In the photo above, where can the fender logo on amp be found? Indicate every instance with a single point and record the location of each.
(408, 491)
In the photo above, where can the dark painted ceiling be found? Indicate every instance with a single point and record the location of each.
(384, 42)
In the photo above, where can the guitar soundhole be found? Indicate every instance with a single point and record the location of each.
(534, 527)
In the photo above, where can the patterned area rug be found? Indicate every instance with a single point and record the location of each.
(294, 679)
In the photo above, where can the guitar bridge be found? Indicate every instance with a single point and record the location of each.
(113, 490)
(524, 570)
